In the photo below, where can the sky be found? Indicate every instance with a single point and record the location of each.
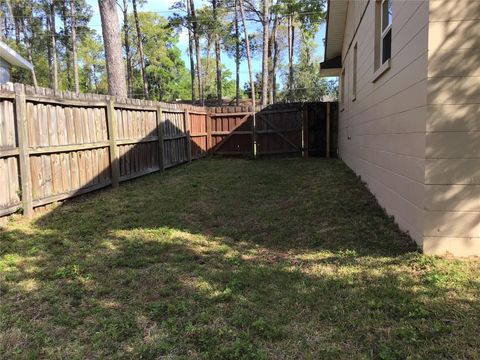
(162, 7)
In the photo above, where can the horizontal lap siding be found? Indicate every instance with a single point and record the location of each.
(382, 132)
(452, 176)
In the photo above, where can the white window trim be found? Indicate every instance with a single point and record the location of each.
(379, 67)
(355, 72)
(383, 33)
(342, 89)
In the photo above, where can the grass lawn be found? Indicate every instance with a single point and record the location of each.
(231, 259)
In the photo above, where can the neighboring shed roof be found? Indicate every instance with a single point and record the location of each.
(13, 58)
(336, 17)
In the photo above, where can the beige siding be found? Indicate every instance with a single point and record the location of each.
(382, 133)
(452, 173)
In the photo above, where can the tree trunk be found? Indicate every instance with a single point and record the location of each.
(140, 50)
(249, 57)
(291, 43)
(218, 60)
(197, 51)
(3, 25)
(272, 65)
(74, 47)
(126, 30)
(265, 23)
(190, 54)
(66, 44)
(113, 48)
(54, 47)
(237, 57)
(29, 52)
(276, 54)
(15, 22)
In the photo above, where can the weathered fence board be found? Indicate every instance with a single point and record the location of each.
(53, 147)
(9, 180)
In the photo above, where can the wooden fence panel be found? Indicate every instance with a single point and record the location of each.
(9, 167)
(279, 131)
(198, 134)
(68, 150)
(231, 131)
(137, 142)
(56, 146)
(174, 137)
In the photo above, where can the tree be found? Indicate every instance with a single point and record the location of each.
(92, 73)
(266, 28)
(113, 48)
(218, 61)
(164, 68)
(53, 49)
(140, 50)
(128, 55)
(196, 39)
(237, 57)
(249, 57)
(74, 46)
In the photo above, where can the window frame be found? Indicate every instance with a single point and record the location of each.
(355, 72)
(342, 90)
(384, 31)
(380, 66)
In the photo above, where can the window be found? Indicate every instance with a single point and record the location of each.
(383, 36)
(386, 35)
(355, 70)
(342, 90)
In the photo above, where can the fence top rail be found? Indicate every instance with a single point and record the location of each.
(69, 98)
(40, 94)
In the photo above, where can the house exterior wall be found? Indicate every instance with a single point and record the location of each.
(382, 131)
(4, 71)
(452, 172)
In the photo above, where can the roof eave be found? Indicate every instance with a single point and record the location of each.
(13, 58)
(336, 17)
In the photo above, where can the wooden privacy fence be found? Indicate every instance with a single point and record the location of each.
(55, 146)
(279, 129)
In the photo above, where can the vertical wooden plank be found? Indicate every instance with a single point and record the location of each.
(188, 149)
(209, 131)
(112, 133)
(327, 135)
(160, 123)
(304, 120)
(24, 158)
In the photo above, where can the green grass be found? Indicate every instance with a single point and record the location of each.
(231, 259)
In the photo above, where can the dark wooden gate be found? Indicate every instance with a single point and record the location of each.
(295, 129)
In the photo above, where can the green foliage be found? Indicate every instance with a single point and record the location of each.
(166, 72)
(307, 84)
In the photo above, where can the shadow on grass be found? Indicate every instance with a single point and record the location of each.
(231, 259)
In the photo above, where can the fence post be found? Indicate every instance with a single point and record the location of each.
(187, 130)
(23, 146)
(112, 136)
(304, 131)
(161, 163)
(327, 135)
